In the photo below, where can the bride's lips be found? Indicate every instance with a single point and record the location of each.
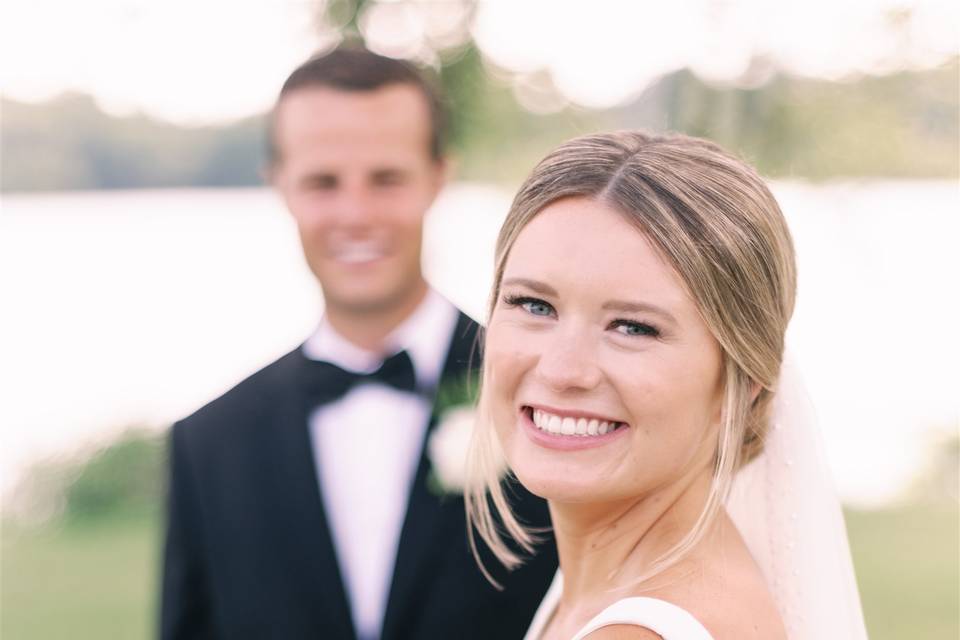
(565, 442)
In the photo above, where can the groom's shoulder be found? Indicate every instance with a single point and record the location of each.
(247, 401)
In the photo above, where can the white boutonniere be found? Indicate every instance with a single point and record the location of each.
(450, 439)
(447, 448)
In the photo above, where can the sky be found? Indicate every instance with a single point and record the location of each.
(218, 60)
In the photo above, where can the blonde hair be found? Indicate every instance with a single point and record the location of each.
(716, 223)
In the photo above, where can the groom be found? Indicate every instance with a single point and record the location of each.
(302, 502)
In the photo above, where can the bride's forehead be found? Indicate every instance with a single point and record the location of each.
(584, 236)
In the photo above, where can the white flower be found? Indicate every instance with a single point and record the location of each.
(448, 446)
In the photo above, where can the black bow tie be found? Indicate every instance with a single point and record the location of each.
(327, 382)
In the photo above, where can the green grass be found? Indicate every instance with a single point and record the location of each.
(91, 580)
(98, 579)
(907, 567)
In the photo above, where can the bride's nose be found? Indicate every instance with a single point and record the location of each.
(569, 362)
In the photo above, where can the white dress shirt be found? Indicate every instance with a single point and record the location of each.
(367, 445)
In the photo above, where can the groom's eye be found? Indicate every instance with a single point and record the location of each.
(388, 178)
(321, 182)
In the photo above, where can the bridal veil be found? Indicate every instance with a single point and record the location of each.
(785, 506)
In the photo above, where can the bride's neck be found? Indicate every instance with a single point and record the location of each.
(604, 547)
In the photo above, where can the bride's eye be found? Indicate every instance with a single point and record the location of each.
(533, 306)
(633, 328)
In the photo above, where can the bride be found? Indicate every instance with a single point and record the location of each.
(633, 377)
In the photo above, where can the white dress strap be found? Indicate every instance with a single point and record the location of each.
(668, 620)
(545, 611)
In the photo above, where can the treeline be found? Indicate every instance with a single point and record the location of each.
(901, 125)
(69, 143)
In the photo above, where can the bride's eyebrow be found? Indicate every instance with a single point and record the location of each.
(535, 285)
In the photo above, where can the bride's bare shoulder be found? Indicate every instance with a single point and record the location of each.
(728, 609)
(744, 617)
(723, 588)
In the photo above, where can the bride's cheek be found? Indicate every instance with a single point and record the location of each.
(508, 347)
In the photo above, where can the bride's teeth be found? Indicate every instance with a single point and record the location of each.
(554, 425)
(569, 426)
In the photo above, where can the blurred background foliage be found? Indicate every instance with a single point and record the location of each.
(902, 125)
(69, 143)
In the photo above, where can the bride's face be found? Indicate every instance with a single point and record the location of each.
(605, 382)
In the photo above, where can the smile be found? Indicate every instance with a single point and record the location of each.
(358, 252)
(572, 426)
(568, 430)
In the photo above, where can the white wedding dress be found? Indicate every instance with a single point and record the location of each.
(785, 507)
(667, 620)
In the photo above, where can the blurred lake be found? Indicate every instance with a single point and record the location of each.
(136, 307)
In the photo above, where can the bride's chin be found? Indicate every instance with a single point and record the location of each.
(554, 487)
(553, 477)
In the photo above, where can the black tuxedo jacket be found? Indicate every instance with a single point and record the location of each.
(249, 554)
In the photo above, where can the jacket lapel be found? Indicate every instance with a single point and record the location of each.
(431, 520)
(315, 572)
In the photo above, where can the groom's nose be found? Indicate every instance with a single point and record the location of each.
(353, 206)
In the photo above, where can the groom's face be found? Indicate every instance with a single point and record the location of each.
(356, 172)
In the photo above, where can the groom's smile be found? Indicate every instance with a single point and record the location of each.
(357, 252)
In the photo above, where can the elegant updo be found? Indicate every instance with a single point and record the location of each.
(715, 222)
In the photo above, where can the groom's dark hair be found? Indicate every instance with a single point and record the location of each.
(351, 67)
